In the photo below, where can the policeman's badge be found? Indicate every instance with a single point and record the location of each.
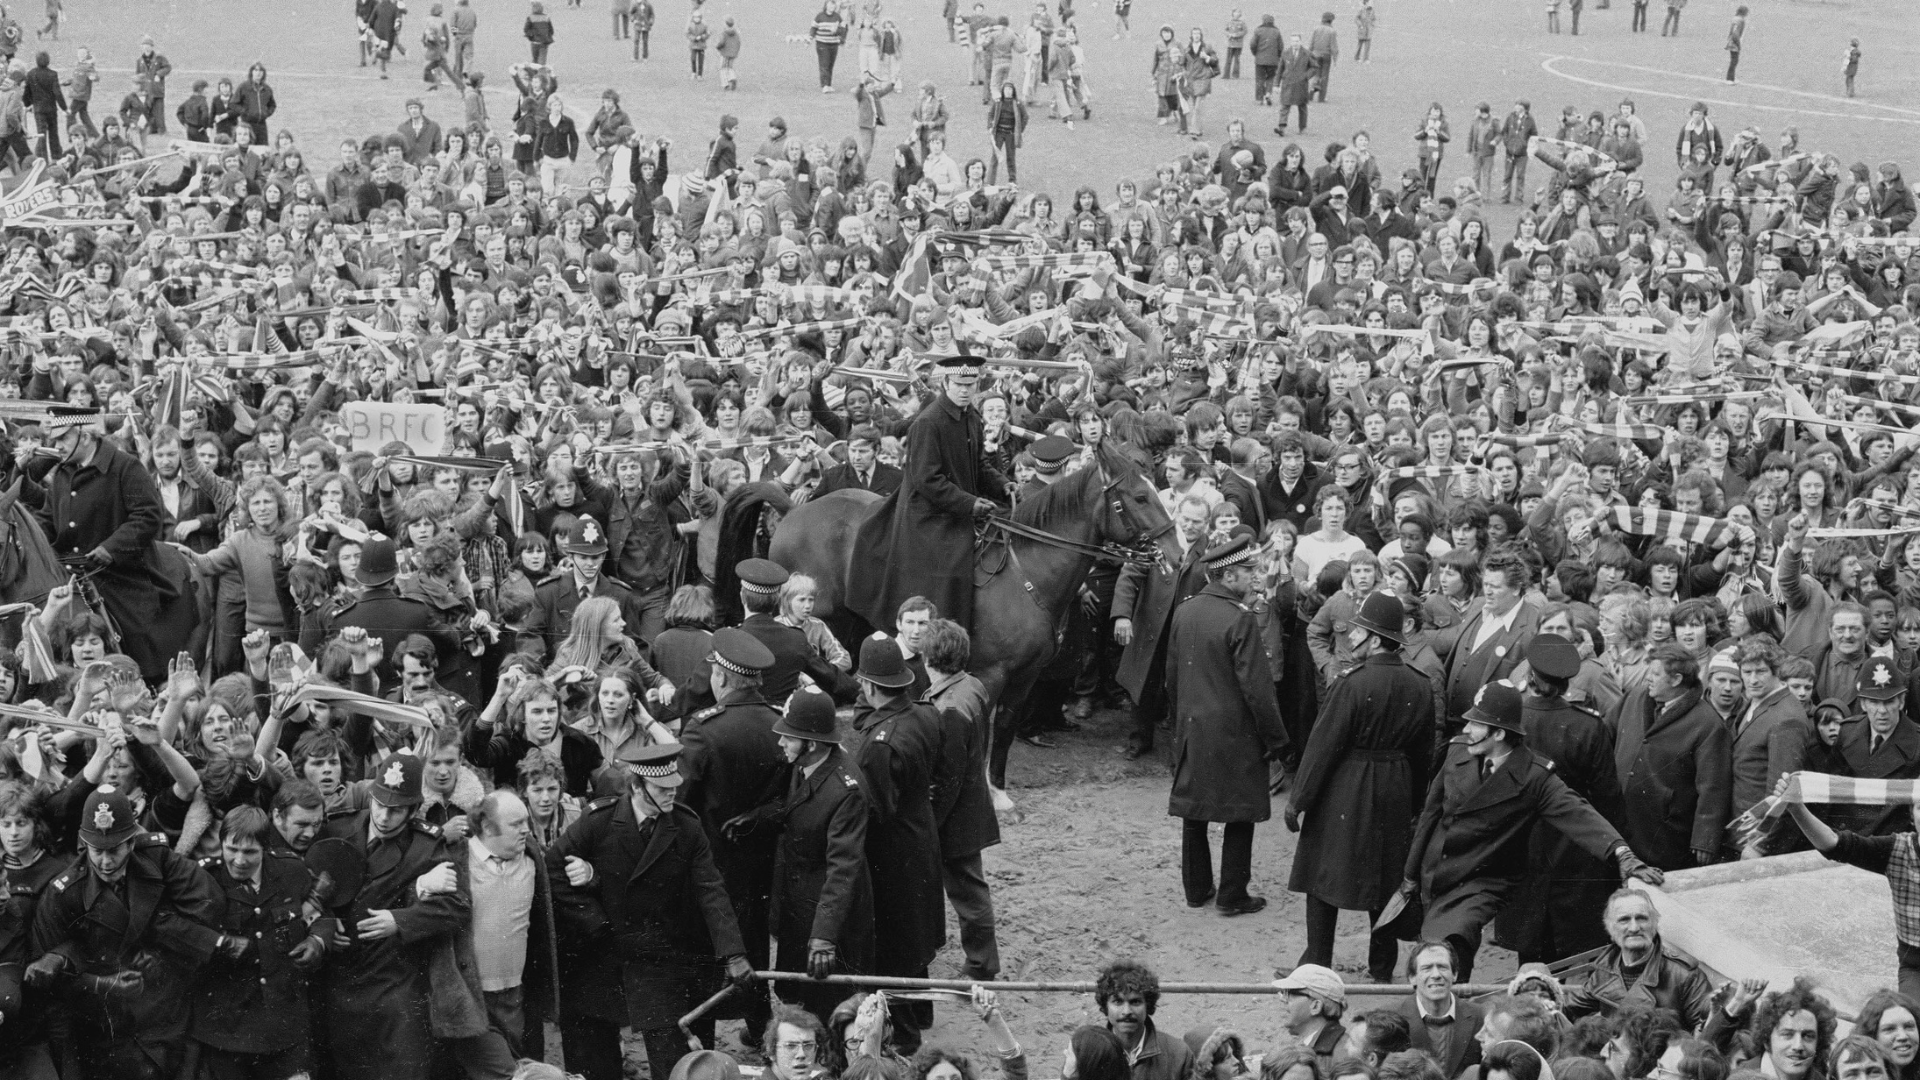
(103, 818)
(1882, 675)
(396, 776)
(590, 532)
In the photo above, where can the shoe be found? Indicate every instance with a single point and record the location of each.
(1086, 112)
(1163, 121)
(1202, 902)
(826, 89)
(1038, 740)
(1069, 125)
(1135, 753)
(1248, 906)
(1282, 132)
(1082, 707)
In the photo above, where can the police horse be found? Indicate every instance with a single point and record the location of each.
(1028, 567)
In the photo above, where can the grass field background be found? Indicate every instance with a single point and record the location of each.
(1455, 52)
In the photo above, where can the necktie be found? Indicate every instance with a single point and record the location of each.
(1873, 747)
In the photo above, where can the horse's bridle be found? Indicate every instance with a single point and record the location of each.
(1142, 551)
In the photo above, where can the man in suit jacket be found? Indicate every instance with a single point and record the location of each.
(1440, 1022)
(1770, 736)
(1489, 645)
(863, 469)
(1470, 848)
(1675, 760)
(1885, 747)
(1143, 603)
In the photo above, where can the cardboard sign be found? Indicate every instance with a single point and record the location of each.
(374, 424)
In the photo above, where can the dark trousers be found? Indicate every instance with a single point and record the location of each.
(1575, 12)
(1458, 917)
(1671, 25)
(77, 113)
(1733, 63)
(1639, 18)
(1383, 949)
(965, 880)
(699, 68)
(1236, 862)
(1152, 706)
(826, 54)
(620, 21)
(156, 114)
(1263, 81)
(592, 1047)
(641, 44)
(49, 124)
(1232, 68)
(1909, 969)
(1302, 106)
(1323, 74)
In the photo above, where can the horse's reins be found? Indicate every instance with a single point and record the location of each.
(1105, 552)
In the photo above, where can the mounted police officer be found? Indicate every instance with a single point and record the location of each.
(822, 891)
(1470, 848)
(731, 764)
(376, 991)
(644, 920)
(1366, 757)
(555, 600)
(98, 505)
(920, 539)
(121, 932)
(1557, 909)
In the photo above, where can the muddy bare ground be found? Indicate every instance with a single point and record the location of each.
(1089, 871)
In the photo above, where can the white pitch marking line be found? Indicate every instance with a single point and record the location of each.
(1548, 66)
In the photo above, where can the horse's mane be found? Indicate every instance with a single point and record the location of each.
(1068, 498)
(1062, 500)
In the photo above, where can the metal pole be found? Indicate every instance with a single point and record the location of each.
(888, 982)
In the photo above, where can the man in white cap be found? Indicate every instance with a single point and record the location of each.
(1314, 998)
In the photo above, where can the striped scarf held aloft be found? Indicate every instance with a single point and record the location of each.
(1670, 525)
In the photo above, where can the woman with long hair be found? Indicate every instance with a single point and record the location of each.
(598, 638)
(1888, 1017)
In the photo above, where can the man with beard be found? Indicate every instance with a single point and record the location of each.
(192, 514)
(120, 933)
(822, 892)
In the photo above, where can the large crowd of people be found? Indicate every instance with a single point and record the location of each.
(402, 656)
